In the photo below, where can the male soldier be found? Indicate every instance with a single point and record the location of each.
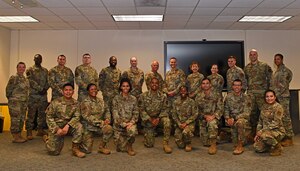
(37, 104)
(96, 118)
(153, 107)
(17, 92)
(109, 80)
(258, 75)
(216, 80)
(211, 108)
(60, 75)
(136, 77)
(84, 75)
(184, 113)
(175, 78)
(63, 117)
(237, 109)
(154, 73)
(280, 84)
(234, 72)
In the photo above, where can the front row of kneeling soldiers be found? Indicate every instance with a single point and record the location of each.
(64, 116)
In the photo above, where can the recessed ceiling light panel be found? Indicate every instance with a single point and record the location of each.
(276, 19)
(17, 19)
(138, 17)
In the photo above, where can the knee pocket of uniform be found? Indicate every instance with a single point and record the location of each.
(107, 129)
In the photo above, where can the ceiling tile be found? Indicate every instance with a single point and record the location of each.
(202, 18)
(150, 10)
(213, 3)
(202, 25)
(262, 26)
(122, 24)
(244, 3)
(207, 11)
(96, 18)
(11, 11)
(37, 11)
(263, 11)
(179, 11)
(48, 19)
(129, 27)
(108, 24)
(37, 25)
(295, 4)
(124, 10)
(219, 25)
(181, 3)
(174, 18)
(292, 12)
(241, 26)
(118, 3)
(87, 3)
(93, 11)
(83, 25)
(235, 11)
(151, 25)
(274, 3)
(173, 25)
(74, 18)
(227, 18)
(65, 11)
(5, 5)
(55, 3)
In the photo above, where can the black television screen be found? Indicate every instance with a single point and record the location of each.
(205, 53)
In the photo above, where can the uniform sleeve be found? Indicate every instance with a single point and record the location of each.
(175, 114)
(247, 109)
(269, 73)
(46, 85)
(135, 113)
(277, 122)
(226, 108)
(259, 124)
(76, 117)
(102, 78)
(86, 114)
(71, 77)
(147, 81)
(219, 108)
(52, 82)
(194, 115)
(33, 84)
(50, 115)
(144, 116)
(182, 81)
(115, 112)
(164, 110)
(78, 79)
(10, 86)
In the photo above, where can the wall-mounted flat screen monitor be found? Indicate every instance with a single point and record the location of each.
(205, 53)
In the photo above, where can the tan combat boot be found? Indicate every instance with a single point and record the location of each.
(188, 148)
(213, 147)
(276, 151)
(130, 150)
(41, 132)
(239, 149)
(17, 138)
(76, 151)
(29, 135)
(103, 149)
(287, 142)
(167, 148)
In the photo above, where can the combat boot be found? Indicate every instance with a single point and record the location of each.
(287, 142)
(239, 149)
(17, 138)
(103, 149)
(41, 132)
(130, 150)
(167, 148)
(188, 148)
(276, 151)
(213, 147)
(76, 151)
(29, 135)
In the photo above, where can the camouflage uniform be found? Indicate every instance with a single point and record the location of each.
(239, 108)
(38, 102)
(280, 84)
(150, 75)
(258, 78)
(125, 110)
(154, 105)
(109, 80)
(136, 78)
(58, 76)
(17, 92)
(61, 112)
(271, 127)
(94, 112)
(233, 74)
(84, 75)
(184, 111)
(211, 104)
(193, 83)
(217, 83)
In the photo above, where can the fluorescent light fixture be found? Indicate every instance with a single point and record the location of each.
(138, 17)
(16, 19)
(275, 19)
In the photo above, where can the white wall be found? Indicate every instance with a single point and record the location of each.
(4, 61)
(146, 45)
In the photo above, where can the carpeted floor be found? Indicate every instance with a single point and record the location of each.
(32, 156)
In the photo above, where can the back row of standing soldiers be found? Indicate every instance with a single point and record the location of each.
(256, 78)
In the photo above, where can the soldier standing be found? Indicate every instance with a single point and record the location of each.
(258, 75)
(58, 76)
(211, 108)
(184, 113)
(109, 80)
(154, 73)
(84, 75)
(38, 102)
(270, 130)
(234, 72)
(17, 92)
(217, 80)
(136, 77)
(237, 109)
(63, 117)
(194, 80)
(280, 83)
(96, 119)
(154, 111)
(125, 115)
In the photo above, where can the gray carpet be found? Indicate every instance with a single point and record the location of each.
(32, 156)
